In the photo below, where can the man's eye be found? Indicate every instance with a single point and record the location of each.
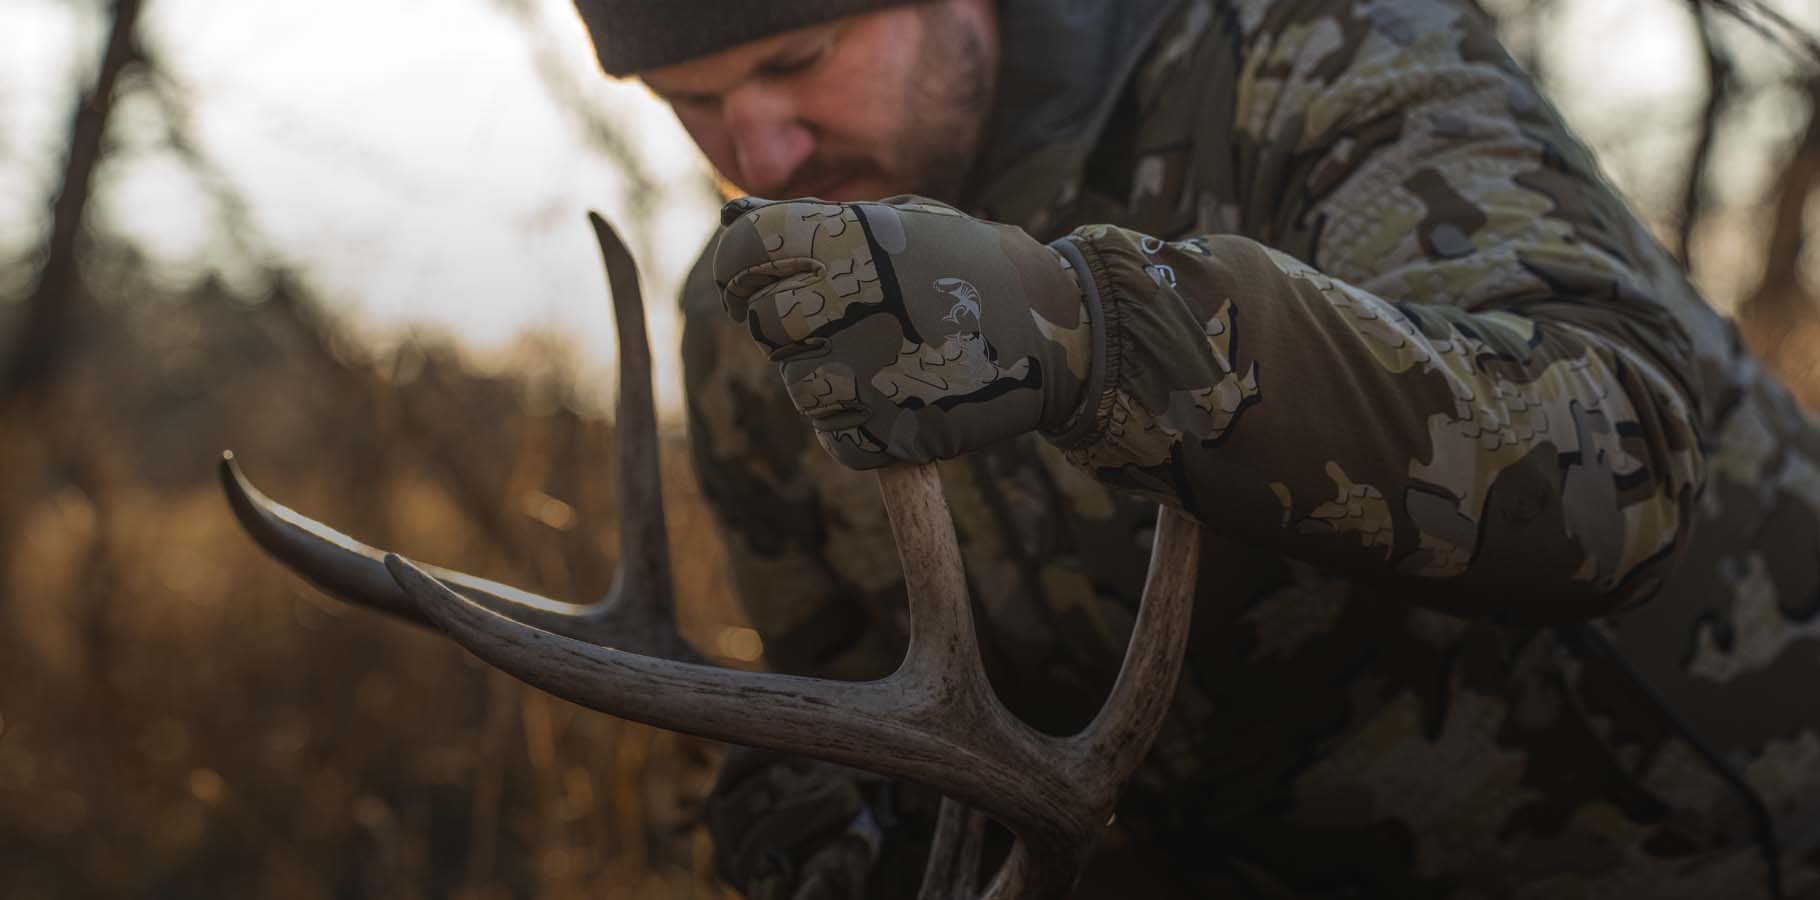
(696, 102)
(780, 67)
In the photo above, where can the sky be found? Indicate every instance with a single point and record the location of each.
(407, 155)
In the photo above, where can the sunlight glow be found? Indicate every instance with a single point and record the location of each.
(412, 160)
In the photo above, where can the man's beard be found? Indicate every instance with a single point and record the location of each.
(950, 99)
(947, 101)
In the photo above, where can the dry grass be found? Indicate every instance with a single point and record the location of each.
(181, 718)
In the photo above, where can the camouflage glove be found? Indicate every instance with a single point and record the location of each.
(787, 828)
(907, 330)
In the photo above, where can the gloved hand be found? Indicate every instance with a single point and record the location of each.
(905, 329)
(787, 828)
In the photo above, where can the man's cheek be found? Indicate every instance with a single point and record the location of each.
(859, 112)
(714, 140)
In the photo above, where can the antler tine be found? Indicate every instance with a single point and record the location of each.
(641, 597)
(952, 870)
(638, 612)
(936, 720)
(1095, 763)
(897, 726)
(973, 840)
(332, 561)
(1108, 750)
(943, 644)
(356, 573)
(1113, 744)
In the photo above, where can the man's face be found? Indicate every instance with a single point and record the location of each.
(864, 107)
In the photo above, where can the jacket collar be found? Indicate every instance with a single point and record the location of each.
(1064, 65)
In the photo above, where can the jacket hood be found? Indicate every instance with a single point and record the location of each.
(1062, 64)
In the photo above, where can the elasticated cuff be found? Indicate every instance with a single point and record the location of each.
(1088, 422)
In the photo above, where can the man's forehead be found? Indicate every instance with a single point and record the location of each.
(719, 72)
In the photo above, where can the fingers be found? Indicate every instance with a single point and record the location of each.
(905, 330)
(802, 267)
(746, 257)
(768, 231)
(736, 208)
(740, 250)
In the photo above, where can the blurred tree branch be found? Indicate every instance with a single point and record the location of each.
(1721, 86)
(575, 98)
(1781, 292)
(1770, 24)
(1777, 316)
(237, 227)
(37, 346)
(33, 446)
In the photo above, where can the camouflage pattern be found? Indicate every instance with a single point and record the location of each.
(1485, 461)
(906, 330)
(779, 822)
(787, 828)
(1511, 576)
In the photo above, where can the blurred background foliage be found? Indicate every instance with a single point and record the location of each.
(180, 718)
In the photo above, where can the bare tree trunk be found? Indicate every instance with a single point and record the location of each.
(1781, 302)
(1721, 84)
(30, 359)
(41, 341)
(601, 131)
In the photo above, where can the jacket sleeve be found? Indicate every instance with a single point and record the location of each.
(1468, 389)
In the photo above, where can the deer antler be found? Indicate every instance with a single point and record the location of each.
(935, 720)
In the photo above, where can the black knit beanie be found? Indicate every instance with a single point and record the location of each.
(635, 35)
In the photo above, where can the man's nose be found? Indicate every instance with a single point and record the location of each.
(769, 142)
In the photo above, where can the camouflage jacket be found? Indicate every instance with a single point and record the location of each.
(1509, 575)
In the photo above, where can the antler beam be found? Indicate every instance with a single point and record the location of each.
(935, 720)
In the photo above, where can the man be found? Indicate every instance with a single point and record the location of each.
(1510, 566)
